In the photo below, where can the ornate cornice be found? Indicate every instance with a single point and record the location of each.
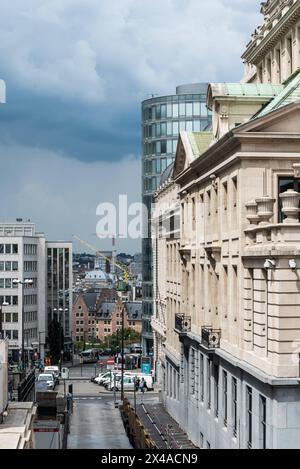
(254, 52)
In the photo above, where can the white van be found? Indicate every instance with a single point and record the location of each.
(54, 370)
(147, 378)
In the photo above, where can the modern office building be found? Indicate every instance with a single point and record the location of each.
(22, 257)
(27, 308)
(59, 287)
(162, 120)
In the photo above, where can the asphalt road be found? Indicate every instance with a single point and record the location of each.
(97, 424)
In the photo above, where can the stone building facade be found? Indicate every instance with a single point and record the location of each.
(228, 333)
(273, 54)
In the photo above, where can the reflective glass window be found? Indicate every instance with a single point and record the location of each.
(196, 109)
(169, 161)
(1, 248)
(153, 183)
(169, 146)
(153, 113)
(175, 128)
(1, 266)
(169, 110)
(203, 109)
(182, 125)
(164, 146)
(163, 129)
(153, 130)
(163, 110)
(158, 148)
(204, 124)
(158, 130)
(153, 169)
(189, 126)
(182, 109)
(158, 166)
(169, 128)
(158, 112)
(189, 109)
(163, 164)
(196, 125)
(175, 110)
(8, 249)
(174, 146)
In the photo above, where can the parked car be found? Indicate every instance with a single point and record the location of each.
(128, 384)
(49, 378)
(54, 370)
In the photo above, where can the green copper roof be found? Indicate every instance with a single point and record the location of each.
(290, 94)
(253, 89)
(200, 142)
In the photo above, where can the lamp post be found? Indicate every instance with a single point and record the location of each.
(27, 282)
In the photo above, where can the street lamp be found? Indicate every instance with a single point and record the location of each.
(27, 282)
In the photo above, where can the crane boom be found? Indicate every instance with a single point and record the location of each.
(97, 252)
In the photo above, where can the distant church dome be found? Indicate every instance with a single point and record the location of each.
(97, 275)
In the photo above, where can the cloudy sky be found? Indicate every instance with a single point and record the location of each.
(76, 72)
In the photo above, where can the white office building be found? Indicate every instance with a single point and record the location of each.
(23, 258)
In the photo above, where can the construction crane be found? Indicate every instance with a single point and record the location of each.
(120, 266)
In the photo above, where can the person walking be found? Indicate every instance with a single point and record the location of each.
(143, 385)
(137, 383)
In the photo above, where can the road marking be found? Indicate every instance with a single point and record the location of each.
(87, 398)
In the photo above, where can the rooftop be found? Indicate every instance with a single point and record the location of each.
(289, 94)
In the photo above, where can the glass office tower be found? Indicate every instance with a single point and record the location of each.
(162, 120)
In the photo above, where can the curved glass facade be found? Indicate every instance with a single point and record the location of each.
(162, 120)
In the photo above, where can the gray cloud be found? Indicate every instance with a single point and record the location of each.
(76, 72)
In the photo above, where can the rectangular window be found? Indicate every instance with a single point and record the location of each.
(201, 378)
(174, 146)
(169, 110)
(262, 422)
(15, 249)
(234, 407)
(196, 109)
(189, 126)
(169, 146)
(189, 109)
(8, 317)
(175, 110)
(15, 335)
(7, 266)
(216, 390)
(203, 110)
(175, 128)
(8, 249)
(196, 126)
(1, 248)
(225, 410)
(208, 383)
(15, 266)
(169, 128)
(182, 109)
(8, 283)
(249, 411)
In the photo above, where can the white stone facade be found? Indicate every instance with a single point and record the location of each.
(273, 53)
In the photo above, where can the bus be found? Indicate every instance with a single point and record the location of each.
(90, 356)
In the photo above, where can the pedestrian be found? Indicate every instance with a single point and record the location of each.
(137, 383)
(143, 385)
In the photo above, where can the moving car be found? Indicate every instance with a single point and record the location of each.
(54, 370)
(49, 378)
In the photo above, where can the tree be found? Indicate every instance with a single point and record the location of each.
(56, 340)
